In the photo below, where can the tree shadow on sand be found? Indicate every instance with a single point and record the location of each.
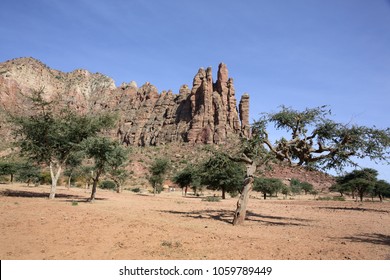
(276, 220)
(30, 194)
(226, 216)
(355, 209)
(373, 238)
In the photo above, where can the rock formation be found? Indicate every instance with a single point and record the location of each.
(207, 113)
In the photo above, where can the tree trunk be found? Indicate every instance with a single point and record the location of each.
(69, 180)
(265, 196)
(94, 187)
(93, 193)
(55, 175)
(118, 187)
(223, 193)
(240, 214)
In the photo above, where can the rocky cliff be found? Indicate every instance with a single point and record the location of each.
(205, 113)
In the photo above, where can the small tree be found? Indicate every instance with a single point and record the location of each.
(9, 168)
(49, 136)
(29, 173)
(361, 181)
(297, 186)
(189, 176)
(382, 189)
(158, 170)
(219, 172)
(268, 186)
(341, 188)
(106, 154)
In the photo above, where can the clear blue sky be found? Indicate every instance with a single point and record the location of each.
(301, 53)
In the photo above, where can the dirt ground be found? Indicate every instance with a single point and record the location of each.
(168, 226)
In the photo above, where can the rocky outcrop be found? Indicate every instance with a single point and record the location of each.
(206, 113)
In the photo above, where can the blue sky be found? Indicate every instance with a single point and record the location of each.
(301, 53)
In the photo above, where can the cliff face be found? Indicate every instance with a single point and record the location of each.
(206, 113)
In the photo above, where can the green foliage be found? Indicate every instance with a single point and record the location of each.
(339, 198)
(297, 186)
(285, 190)
(51, 133)
(29, 173)
(382, 189)
(45, 178)
(212, 199)
(219, 172)
(9, 168)
(341, 188)
(316, 139)
(108, 185)
(189, 176)
(108, 155)
(361, 181)
(268, 186)
(157, 170)
(327, 198)
(136, 190)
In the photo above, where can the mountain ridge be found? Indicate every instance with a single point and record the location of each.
(206, 113)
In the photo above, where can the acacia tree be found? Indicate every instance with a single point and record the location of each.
(189, 176)
(108, 155)
(317, 140)
(49, 136)
(219, 172)
(382, 189)
(267, 186)
(157, 170)
(9, 168)
(361, 181)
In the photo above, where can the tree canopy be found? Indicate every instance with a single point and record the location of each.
(108, 156)
(316, 139)
(220, 172)
(50, 136)
(157, 170)
(268, 186)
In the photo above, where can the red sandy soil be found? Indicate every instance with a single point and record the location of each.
(168, 226)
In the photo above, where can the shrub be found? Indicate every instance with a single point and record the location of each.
(212, 199)
(107, 184)
(325, 198)
(339, 198)
(136, 190)
(45, 178)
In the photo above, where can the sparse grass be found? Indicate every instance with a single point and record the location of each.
(75, 203)
(170, 244)
(334, 198)
(136, 190)
(327, 198)
(212, 199)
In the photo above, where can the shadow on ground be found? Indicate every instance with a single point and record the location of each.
(354, 209)
(30, 194)
(227, 217)
(373, 238)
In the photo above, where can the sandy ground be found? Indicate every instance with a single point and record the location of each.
(169, 226)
